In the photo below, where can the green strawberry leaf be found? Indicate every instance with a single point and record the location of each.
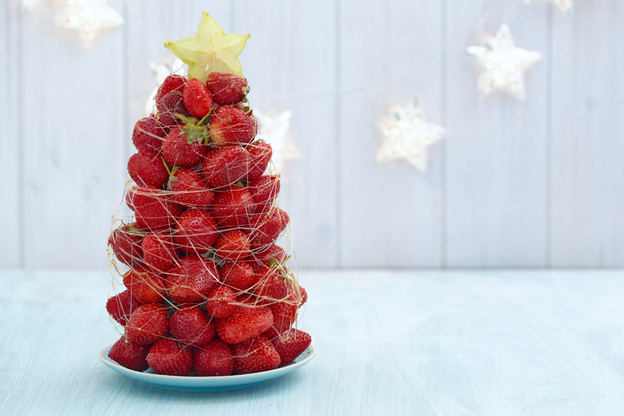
(195, 133)
(186, 120)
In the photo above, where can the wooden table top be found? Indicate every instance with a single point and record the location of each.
(387, 342)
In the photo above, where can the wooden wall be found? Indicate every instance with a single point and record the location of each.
(533, 184)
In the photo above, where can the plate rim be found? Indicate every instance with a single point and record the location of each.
(242, 378)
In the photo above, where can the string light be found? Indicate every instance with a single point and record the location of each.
(504, 64)
(87, 17)
(274, 129)
(407, 135)
(565, 6)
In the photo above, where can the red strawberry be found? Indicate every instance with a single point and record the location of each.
(260, 153)
(215, 359)
(265, 228)
(153, 210)
(169, 107)
(192, 327)
(232, 245)
(270, 285)
(130, 196)
(173, 82)
(158, 251)
(168, 358)
(188, 188)
(291, 344)
(226, 165)
(125, 241)
(264, 191)
(220, 303)
(121, 306)
(263, 259)
(304, 295)
(197, 98)
(148, 135)
(129, 354)
(192, 280)
(147, 324)
(238, 276)
(177, 150)
(231, 125)
(145, 285)
(147, 169)
(232, 207)
(245, 323)
(255, 355)
(227, 88)
(195, 232)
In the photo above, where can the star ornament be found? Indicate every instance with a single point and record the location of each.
(407, 135)
(209, 50)
(274, 129)
(87, 17)
(504, 64)
(565, 6)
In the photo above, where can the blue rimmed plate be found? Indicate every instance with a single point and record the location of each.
(206, 384)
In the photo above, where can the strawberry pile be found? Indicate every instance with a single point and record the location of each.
(208, 291)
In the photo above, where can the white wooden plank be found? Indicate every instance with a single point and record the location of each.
(10, 139)
(587, 199)
(73, 112)
(496, 160)
(290, 62)
(390, 51)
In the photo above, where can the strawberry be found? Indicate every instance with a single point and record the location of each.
(291, 344)
(121, 306)
(260, 153)
(173, 82)
(192, 280)
(147, 324)
(255, 355)
(188, 188)
(231, 125)
(232, 245)
(232, 207)
(220, 303)
(169, 108)
(178, 150)
(197, 98)
(263, 259)
(270, 285)
(226, 165)
(168, 358)
(245, 323)
(215, 359)
(130, 196)
(129, 354)
(304, 295)
(264, 191)
(238, 276)
(148, 135)
(265, 228)
(153, 210)
(147, 169)
(192, 327)
(195, 231)
(125, 241)
(145, 285)
(227, 88)
(158, 251)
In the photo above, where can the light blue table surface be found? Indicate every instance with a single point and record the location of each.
(388, 343)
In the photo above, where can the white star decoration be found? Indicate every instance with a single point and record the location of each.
(565, 6)
(407, 135)
(503, 64)
(87, 17)
(274, 129)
